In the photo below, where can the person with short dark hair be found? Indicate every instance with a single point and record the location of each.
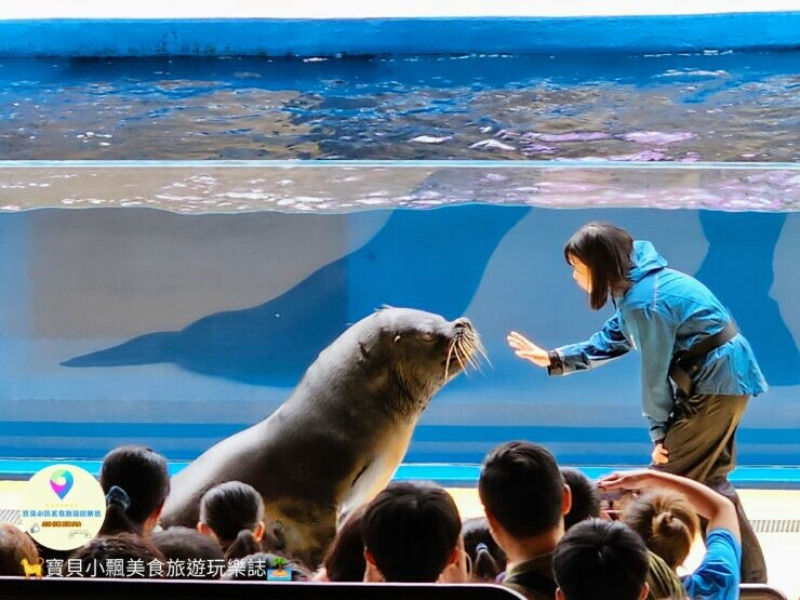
(601, 560)
(136, 482)
(525, 499)
(412, 533)
(698, 371)
(185, 544)
(121, 555)
(232, 513)
(585, 497)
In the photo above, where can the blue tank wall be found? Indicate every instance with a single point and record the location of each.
(140, 326)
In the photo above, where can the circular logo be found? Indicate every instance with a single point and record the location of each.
(63, 507)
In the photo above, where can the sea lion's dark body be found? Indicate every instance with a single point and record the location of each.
(342, 433)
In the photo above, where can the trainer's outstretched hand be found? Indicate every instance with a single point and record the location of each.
(524, 348)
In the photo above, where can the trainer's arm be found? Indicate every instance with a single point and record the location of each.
(605, 345)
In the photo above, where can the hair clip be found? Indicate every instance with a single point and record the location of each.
(116, 495)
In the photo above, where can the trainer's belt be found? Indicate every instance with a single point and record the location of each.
(685, 364)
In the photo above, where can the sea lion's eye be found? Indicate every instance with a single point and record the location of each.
(427, 336)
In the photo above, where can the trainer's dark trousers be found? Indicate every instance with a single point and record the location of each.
(700, 442)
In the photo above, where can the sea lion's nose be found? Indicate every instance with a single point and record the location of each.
(463, 323)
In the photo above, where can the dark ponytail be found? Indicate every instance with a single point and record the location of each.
(484, 566)
(344, 559)
(245, 544)
(233, 511)
(117, 521)
(487, 558)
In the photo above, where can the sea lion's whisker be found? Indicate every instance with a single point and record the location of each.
(468, 350)
(481, 350)
(459, 358)
(474, 361)
(471, 346)
(447, 360)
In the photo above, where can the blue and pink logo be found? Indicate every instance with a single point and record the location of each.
(61, 481)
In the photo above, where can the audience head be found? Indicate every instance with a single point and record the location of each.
(522, 490)
(487, 558)
(344, 560)
(412, 532)
(254, 567)
(666, 523)
(125, 547)
(136, 482)
(585, 497)
(185, 544)
(233, 513)
(15, 546)
(601, 560)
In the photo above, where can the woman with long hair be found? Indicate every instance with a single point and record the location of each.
(698, 370)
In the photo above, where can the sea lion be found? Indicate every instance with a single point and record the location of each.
(338, 439)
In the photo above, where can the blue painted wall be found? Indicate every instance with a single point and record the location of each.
(422, 35)
(140, 326)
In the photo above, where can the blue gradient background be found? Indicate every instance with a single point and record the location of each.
(140, 326)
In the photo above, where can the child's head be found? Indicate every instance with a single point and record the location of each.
(411, 532)
(185, 544)
(522, 490)
(487, 558)
(601, 560)
(585, 497)
(127, 549)
(233, 513)
(136, 482)
(666, 523)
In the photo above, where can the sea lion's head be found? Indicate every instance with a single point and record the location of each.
(417, 352)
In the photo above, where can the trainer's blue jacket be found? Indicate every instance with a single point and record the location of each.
(664, 312)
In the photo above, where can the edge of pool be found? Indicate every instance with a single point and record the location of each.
(452, 475)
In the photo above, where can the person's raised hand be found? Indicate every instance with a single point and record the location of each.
(625, 480)
(524, 348)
